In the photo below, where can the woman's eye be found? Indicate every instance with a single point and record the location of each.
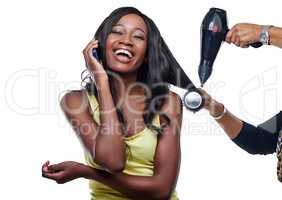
(139, 37)
(116, 32)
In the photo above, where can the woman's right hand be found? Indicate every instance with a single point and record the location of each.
(63, 172)
(95, 67)
(208, 99)
(211, 105)
(243, 34)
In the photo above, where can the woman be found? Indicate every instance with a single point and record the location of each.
(267, 137)
(129, 122)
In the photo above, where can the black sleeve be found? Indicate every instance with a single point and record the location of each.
(261, 139)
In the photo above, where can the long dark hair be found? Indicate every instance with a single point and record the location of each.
(159, 69)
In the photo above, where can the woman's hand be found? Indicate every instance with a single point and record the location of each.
(208, 99)
(243, 34)
(96, 69)
(214, 107)
(63, 172)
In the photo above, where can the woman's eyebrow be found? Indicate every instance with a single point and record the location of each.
(138, 28)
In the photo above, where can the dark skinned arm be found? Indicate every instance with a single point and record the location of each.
(167, 161)
(77, 110)
(166, 166)
(96, 139)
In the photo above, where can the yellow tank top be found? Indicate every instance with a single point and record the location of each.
(140, 151)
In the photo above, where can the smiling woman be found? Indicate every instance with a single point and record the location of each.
(126, 118)
(126, 57)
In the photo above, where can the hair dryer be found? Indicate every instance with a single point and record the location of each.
(213, 31)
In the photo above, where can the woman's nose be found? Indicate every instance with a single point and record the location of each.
(126, 40)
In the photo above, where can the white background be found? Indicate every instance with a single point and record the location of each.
(40, 57)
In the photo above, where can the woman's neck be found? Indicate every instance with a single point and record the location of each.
(126, 86)
(123, 83)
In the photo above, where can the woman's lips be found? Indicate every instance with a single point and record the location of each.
(123, 52)
(122, 59)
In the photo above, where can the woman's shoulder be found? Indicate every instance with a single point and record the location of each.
(171, 111)
(73, 99)
(173, 101)
(174, 96)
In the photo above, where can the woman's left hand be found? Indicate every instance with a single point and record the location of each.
(63, 172)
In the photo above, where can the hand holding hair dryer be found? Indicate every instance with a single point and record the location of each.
(213, 31)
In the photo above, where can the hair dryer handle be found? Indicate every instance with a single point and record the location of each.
(256, 44)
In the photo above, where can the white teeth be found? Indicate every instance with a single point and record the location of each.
(123, 51)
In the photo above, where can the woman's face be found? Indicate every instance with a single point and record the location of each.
(126, 44)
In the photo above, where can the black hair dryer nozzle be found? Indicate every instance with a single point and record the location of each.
(193, 100)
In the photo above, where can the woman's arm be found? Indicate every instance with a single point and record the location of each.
(166, 163)
(255, 140)
(95, 138)
(104, 142)
(243, 34)
(275, 35)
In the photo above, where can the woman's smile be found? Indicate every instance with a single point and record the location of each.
(123, 55)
